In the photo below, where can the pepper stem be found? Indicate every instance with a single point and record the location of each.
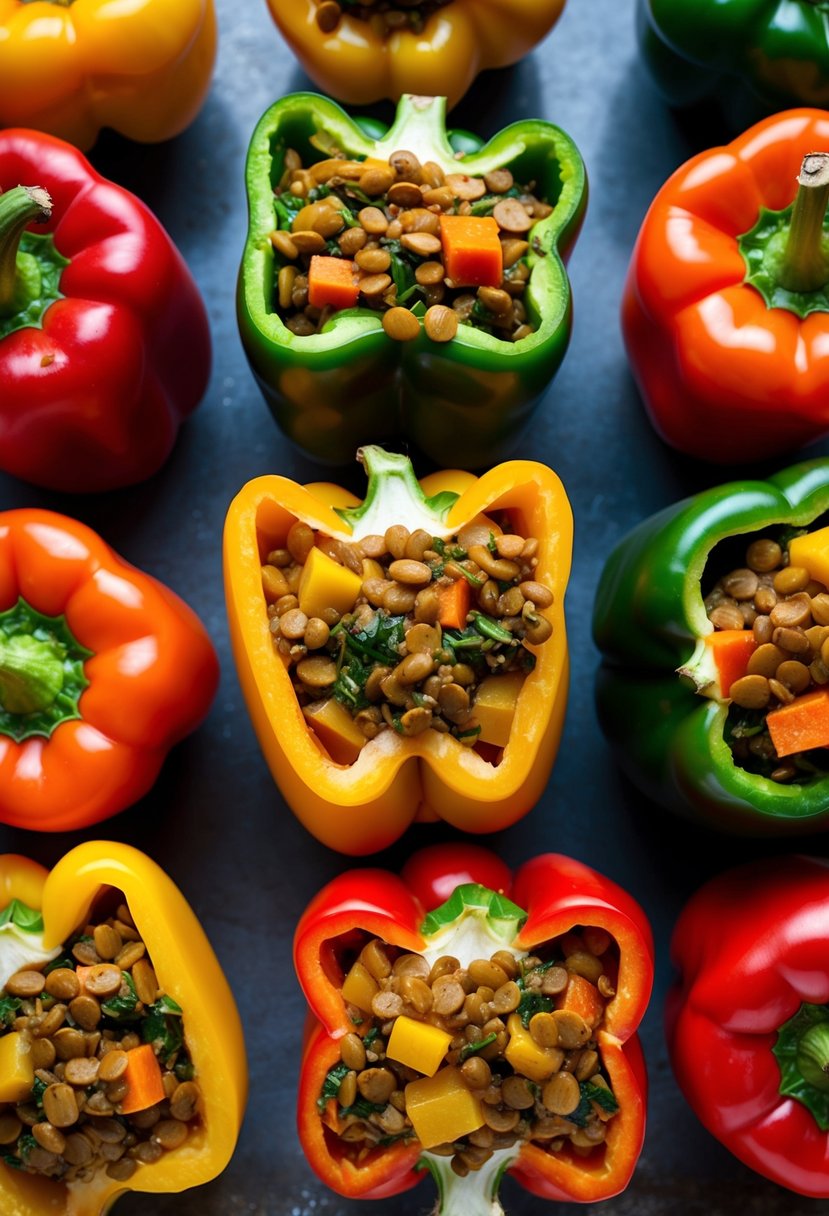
(18, 207)
(805, 266)
(31, 674)
(477, 1193)
(813, 1056)
(394, 496)
(419, 127)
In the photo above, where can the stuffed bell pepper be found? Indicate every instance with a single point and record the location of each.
(122, 1062)
(405, 280)
(726, 306)
(71, 67)
(97, 307)
(454, 1031)
(102, 670)
(404, 657)
(713, 618)
(748, 1019)
(365, 52)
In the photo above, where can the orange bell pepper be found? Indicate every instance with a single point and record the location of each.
(361, 807)
(358, 66)
(142, 68)
(187, 970)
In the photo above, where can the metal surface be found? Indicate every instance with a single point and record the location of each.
(215, 820)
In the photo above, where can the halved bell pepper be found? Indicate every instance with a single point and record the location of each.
(458, 900)
(649, 620)
(359, 66)
(334, 390)
(71, 67)
(362, 807)
(187, 970)
(102, 670)
(726, 305)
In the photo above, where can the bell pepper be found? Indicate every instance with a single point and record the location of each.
(362, 807)
(359, 66)
(96, 306)
(726, 307)
(457, 899)
(102, 670)
(753, 56)
(188, 971)
(71, 67)
(748, 1017)
(333, 390)
(649, 620)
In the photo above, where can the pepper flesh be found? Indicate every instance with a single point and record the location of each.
(356, 65)
(188, 971)
(396, 780)
(143, 69)
(558, 893)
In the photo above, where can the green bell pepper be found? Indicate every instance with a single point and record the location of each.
(649, 620)
(350, 384)
(755, 56)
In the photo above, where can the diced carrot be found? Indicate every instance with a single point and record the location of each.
(472, 252)
(332, 281)
(145, 1087)
(583, 998)
(802, 724)
(454, 604)
(731, 650)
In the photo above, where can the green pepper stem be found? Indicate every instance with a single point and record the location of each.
(805, 266)
(474, 1195)
(419, 127)
(813, 1056)
(394, 496)
(31, 674)
(471, 923)
(18, 207)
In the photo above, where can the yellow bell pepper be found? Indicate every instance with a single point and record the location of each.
(188, 971)
(358, 66)
(142, 68)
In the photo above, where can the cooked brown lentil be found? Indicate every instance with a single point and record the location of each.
(384, 16)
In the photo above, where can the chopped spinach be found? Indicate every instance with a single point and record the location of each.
(532, 1003)
(162, 1027)
(362, 1109)
(9, 1006)
(122, 1007)
(380, 639)
(66, 962)
(471, 1048)
(592, 1093)
(38, 1090)
(350, 683)
(331, 1085)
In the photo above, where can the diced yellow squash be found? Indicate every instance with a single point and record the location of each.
(17, 1070)
(327, 584)
(812, 553)
(336, 730)
(495, 704)
(418, 1045)
(442, 1109)
(525, 1055)
(360, 987)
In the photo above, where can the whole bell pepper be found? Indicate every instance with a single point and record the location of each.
(102, 670)
(649, 620)
(748, 1017)
(360, 66)
(71, 67)
(726, 305)
(458, 900)
(365, 806)
(331, 391)
(96, 307)
(187, 970)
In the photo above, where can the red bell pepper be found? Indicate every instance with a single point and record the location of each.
(748, 1019)
(468, 895)
(104, 341)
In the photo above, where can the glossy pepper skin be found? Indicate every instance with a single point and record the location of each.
(334, 390)
(149, 678)
(94, 381)
(647, 619)
(188, 971)
(143, 69)
(359, 67)
(554, 894)
(754, 56)
(364, 807)
(750, 950)
(724, 376)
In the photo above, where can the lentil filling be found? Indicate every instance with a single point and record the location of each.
(113, 1085)
(384, 16)
(508, 1044)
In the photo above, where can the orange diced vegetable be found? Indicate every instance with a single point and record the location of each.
(145, 1087)
(332, 281)
(472, 253)
(731, 650)
(454, 604)
(802, 724)
(583, 998)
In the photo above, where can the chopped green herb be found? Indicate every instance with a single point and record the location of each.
(331, 1084)
(471, 1048)
(162, 1027)
(9, 1006)
(532, 1003)
(122, 1006)
(38, 1090)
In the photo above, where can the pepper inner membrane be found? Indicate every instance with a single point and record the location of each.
(469, 1060)
(384, 16)
(96, 1053)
